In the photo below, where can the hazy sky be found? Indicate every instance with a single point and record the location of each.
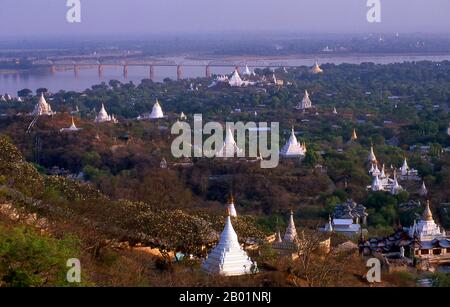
(48, 17)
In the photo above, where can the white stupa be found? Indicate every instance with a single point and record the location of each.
(405, 168)
(426, 229)
(305, 103)
(376, 184)
(183, 116)
(72, 127)
(316, 68)
(228, 258)
(291, 233)
(230, 147)
(235, 79)
(396, 187)
(42, 107)
(248, 72)
(231, 207)
(156, 111)
(293, 148)
(335, 111)
(423, 190)
(2, 98)
(354, 137)
(102, 115)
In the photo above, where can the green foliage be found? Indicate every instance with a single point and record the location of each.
(28, 259)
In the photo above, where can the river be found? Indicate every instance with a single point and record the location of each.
(11, 82)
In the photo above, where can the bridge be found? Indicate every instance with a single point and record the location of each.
(77, 63)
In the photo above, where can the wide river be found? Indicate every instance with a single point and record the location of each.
(65, 80)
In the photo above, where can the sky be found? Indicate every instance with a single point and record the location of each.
(34, 18)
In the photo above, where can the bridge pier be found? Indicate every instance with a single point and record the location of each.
(76, 70)
(53, 69)
(179, 72)
(152, 72)
(208, 71)
(125, 71)
(237, 69)
(100, 71)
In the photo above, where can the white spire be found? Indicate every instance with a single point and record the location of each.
(229, 148)
(156, 111)
(334, 110)
(228, 258)
(383, 173)
(396, 188)
(42, 107)
(291, 232)
(306, 102)
(376, 184)
(102, 115)
(72, 127)
(235, 79)
(293, 148)
(423, 189)
(404, 168)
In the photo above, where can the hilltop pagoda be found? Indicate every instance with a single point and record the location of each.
(305, 103)
(228, 258)
(229, 148)
(156, 111)
(293, 148)
(72, 128)
(103, 116)
(235, 79)
(42, 107)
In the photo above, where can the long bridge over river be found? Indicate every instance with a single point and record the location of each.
(78, 63)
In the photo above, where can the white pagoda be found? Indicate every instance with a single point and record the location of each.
(248, 72)
(230, 147)
(423, 190)
(42, 107)
(376, 184)
(228, 258)
(183, 116)
(426, 229)
(72, 128)
(290, 235)
(335, 111)
(231, 207)
(156, 111)
(235, 79)
(316, 68)
(293, 148)
(103, 116)
(396, 187)
(305, 103)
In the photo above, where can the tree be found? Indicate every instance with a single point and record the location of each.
(24, 93)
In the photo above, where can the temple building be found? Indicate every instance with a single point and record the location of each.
(230, 147)
(424, 244)
(347, 219)
(183, 116)
(231, 207)
(289, 244)
(305, 103)
(293, 148)
(103, 116)
(42, 107)
(156, 111)
(72, 127)
(408, 173)
(228, 258)
(316, 68)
